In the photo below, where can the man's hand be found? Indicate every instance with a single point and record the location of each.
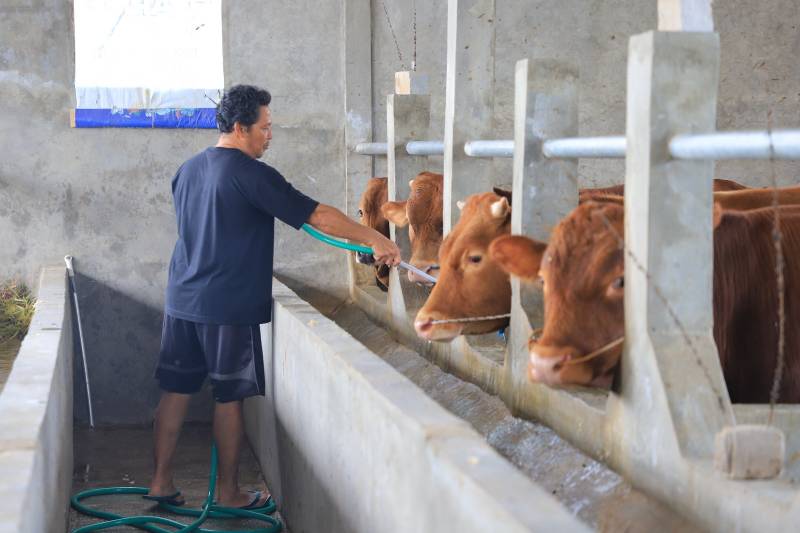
(385, 251)
(330, 220)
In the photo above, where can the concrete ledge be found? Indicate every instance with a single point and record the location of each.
(348, 444)
(36, 417)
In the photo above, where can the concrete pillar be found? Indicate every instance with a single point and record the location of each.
(407, 118)
(673, 392)
(358, 113)
(545, 190)
(469, 100)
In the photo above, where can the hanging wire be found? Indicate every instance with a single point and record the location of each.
(414, 33)
(394, 37)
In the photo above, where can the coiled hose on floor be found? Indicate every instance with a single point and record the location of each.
(208, 510)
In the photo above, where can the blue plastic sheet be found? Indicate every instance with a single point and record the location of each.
(202, 118)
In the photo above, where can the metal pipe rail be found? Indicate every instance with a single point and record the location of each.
(785, 144)
(781, 144)
(425, 148)
(579, 147)
(412, 148)
(372, 148)
(489, 148)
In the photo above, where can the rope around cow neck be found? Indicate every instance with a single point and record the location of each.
(597, 352)
(588, 357)
(470, 319)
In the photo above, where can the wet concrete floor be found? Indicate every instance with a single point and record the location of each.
(122, 457)
(594, 493)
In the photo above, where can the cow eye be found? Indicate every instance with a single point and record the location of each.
(475, 259)
(360, 213)
(618, 283)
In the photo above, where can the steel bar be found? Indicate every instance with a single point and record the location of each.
(425, 148)
(489, 148)
(372, 148)
(584, 147)
(737, 145)
(71, 272)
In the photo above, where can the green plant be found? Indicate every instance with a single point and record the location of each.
(16, 310)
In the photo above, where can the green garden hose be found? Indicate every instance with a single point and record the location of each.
(363, 249)
(208, 510)
(335, 242)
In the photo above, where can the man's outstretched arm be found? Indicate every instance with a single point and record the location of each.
(330, 220)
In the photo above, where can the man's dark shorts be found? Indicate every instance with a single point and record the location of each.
(230, 355)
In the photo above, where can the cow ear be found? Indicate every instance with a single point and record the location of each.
(501, 208)
(395, 212)
(502, 192)
(518, 255)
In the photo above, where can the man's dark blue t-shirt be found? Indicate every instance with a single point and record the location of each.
(226, 203)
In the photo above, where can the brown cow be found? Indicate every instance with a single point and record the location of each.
(422, 212)
(584, 195)
(583, 281)
(461, 297)
(370, 215)
(734, 200)
(470, 283)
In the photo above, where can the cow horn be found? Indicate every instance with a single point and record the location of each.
(500, 208)
(411, 183)
(460, 204)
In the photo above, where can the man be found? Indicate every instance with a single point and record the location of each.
(220, 283)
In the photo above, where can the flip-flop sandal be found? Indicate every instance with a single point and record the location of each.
(252, 506)
(170, 499)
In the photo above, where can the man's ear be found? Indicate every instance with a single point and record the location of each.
(239, 129)
(518, 255)
(395, 212)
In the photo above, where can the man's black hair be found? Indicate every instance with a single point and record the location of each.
(240, 103)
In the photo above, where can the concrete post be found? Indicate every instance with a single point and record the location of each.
(358, 113)
(545, 190)
(469, 100)
(673, 398)
(407, 118)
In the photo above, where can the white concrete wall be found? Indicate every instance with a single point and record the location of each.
(348, 444)
(36, 418)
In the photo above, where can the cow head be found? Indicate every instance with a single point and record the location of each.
(422, 213)
(370, 214)
(470, 283)
(581, 271)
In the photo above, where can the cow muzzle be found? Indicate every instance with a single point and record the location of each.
(427, 329)
(546, 369)
(432, 270)
(365, 259)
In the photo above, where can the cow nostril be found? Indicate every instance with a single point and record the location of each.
(423, 325)
(562, 361)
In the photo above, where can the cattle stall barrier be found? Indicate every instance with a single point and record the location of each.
(36, 416)
(659, 429)
(342, 433)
